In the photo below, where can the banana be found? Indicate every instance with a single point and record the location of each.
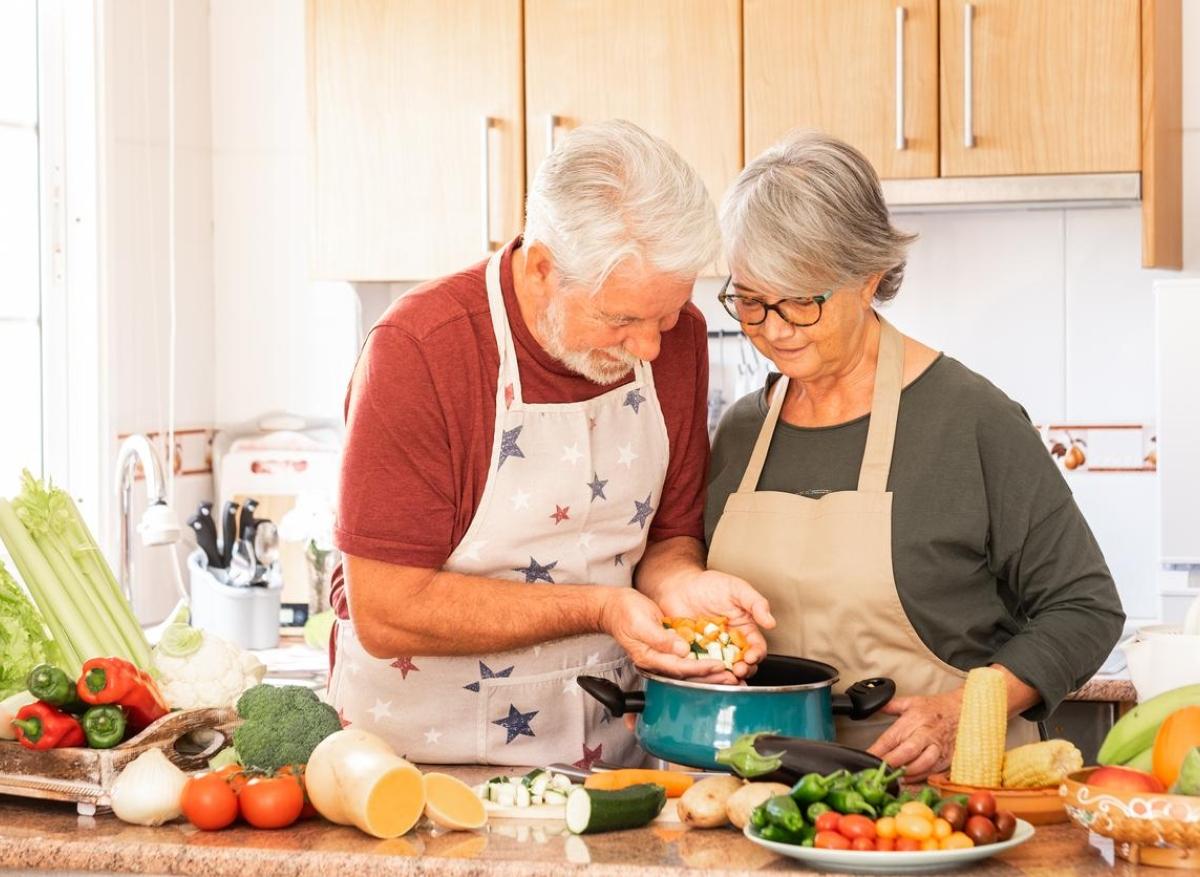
(1134, 732)
(1143, 761)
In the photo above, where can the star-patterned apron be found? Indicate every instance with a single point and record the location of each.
(571, 492)
(825, 564)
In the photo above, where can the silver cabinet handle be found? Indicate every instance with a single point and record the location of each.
(900, 143)
(486, 180)
(968, 69)
(551, 123)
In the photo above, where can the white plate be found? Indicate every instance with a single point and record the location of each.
(863, 862)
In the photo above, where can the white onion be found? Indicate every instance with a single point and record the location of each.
(149, 790)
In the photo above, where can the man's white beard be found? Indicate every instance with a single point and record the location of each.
(589, 364)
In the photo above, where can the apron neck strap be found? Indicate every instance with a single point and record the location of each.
(759, 455)
(881, 434)
(885, 408)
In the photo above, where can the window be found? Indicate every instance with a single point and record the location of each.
(21, 433)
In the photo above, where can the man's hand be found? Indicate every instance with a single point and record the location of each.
(632, 619)
(716, 593)
(922, 738)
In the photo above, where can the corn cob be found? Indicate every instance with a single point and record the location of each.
(982, 729)
(1038, 765)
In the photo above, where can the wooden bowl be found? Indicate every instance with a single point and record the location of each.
(1146, 828)
(1035, 806)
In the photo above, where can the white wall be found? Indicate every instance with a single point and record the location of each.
(134, 206)
(285, 342)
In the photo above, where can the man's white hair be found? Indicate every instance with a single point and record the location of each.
(610, 193)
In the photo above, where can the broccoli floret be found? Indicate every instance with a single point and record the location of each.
(283, 725)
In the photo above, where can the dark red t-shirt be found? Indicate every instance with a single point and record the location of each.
(421, 409)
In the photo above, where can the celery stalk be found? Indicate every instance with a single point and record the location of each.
(95, 614)
(92, 563)
(57, 609)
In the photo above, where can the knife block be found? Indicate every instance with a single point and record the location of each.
(247, 617)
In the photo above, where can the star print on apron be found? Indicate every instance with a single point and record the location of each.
(571, 492)
(825, 565)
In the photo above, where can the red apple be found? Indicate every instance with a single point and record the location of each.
(1124, 779)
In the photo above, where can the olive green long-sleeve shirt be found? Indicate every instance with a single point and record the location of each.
(992, 558)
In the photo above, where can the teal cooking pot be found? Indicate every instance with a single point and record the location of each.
(687, 722)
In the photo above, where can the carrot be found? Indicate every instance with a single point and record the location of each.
(673, 781)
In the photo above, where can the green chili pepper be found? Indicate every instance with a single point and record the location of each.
(928, 796)
(778, 834)
(873, 787)
(51, 685)
(815, 809)
(759, 818)
(814, 787)
(892, 808)
(748, 762)
(961, 800)
(849, 801)
(785, 813)
(104, 726)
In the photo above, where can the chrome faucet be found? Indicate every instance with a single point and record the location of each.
(158, 527)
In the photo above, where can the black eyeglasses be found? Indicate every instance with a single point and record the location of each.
(749, 310)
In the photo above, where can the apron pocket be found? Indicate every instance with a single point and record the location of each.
(546, 718)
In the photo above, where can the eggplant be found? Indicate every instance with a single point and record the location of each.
(778, 759)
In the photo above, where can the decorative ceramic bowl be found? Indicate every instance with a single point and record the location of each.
(1035, 806)
(1146, 828)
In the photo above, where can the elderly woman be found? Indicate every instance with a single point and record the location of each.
(897, 510)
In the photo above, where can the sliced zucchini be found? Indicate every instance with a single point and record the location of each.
(561, 781)
(523, 796)
(590, 811)
(506, 795)
(554, 797)
(714, 652)
(540, 783)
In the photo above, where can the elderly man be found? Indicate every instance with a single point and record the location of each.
(514, 463)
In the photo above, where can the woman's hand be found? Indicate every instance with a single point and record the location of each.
(922, 738)
(716, 593)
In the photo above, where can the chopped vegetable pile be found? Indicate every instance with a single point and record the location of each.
(710, 638)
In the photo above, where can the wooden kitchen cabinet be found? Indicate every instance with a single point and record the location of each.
(1039, 87)
(417, 138)
(865, 71)
(671, 66)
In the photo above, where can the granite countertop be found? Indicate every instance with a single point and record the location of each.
(41, 836)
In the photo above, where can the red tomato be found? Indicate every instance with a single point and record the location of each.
(830, 840)
(272, 802)
(866, 845)
(907, 845)
(885, 844)
(855, 826)
(209, 803)
(828, 821)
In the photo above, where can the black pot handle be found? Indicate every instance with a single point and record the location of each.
(863, 699)
(610, 694)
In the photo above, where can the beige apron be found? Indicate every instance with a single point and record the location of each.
(570, 495)
(825, 564)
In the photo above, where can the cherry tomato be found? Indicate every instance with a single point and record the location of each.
(929, 844)
(916, 808)
(864, 844)
(1006, 824)
(208, 802)
(855, 826)
(981, 830)
(886, 827)
(830, 840)
(914, 827)
(981, 804)
(828, 821)
(885, 844)
(297, 771)
(957, 841)
(907, 845)
(942, 829)
(272, 802)
(235, 775)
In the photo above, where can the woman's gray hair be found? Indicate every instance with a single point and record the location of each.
(609, 193)
(808, 215)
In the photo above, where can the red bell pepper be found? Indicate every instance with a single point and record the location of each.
(42, 726)
(115, 680)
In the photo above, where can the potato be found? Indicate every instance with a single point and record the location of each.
(743, 802)
(703, 805)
